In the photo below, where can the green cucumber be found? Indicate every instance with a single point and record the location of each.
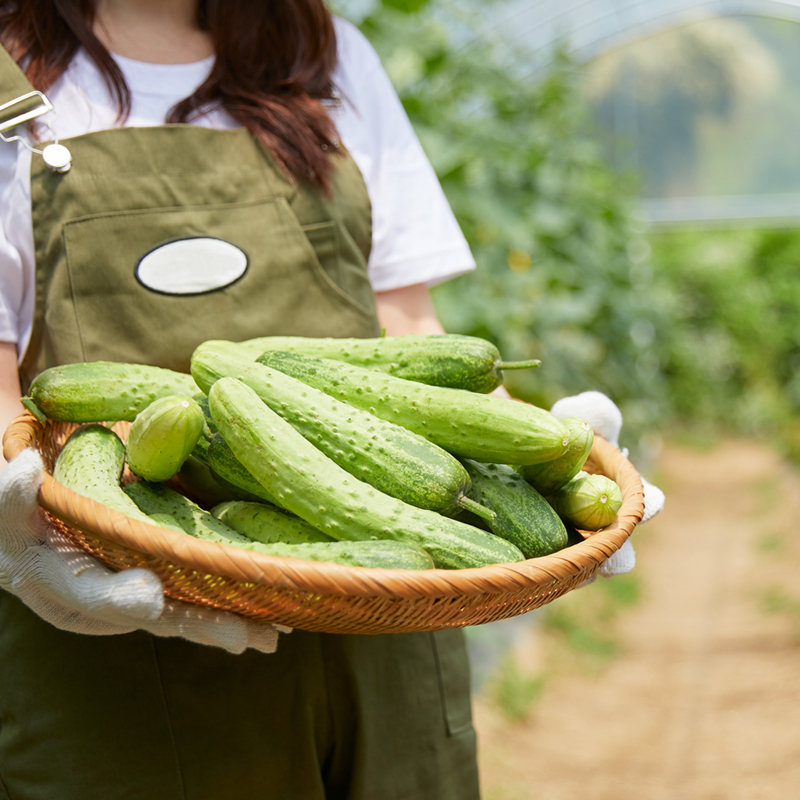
(391, 458)
(550, 475)
(169, 508)
(201, 484)
(307, 483)
(231, 472)
(589, 502)
(162, 436)
(155, 498)
(103, 391)
(469, 425)
(523, 516)
(90, 463)
(267, 524)
(460, 362)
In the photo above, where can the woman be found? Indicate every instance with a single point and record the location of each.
(267, 133)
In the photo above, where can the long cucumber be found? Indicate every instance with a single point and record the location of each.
(102, 391)
(477, 426)
(167, 507)
(267, 524)
(311, 486)
(460, 362)
(391, 458)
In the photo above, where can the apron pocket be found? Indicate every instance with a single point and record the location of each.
(99, 308)
(452, 665)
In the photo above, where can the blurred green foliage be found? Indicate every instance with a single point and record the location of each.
(561, 274)
(699, 327)
(731, 355)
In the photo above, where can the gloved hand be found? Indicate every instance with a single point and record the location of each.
(75, 592)
(606, 420)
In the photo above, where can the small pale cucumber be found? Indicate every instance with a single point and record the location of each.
(267, 524)
(162, 436)
(460, 362)
(470, 425)
(169, 508)
(590, 502)
(550, 475)
(90, 463)
(523, 516)
(307, 483)
(391, 458)
(103, 391)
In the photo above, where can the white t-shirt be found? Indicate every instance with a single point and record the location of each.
(415, 237)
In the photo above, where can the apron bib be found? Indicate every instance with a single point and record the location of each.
(155, 240)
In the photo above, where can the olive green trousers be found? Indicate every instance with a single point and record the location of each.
(148, 718)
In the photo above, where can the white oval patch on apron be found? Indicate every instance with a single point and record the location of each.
(191, 266)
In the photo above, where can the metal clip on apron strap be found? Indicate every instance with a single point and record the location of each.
(20, 103)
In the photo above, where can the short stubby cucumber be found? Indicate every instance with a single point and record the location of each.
(550, 475)
(90, 464)
(477, 426)
(523, 516)
(307, 483)
(389, 457)
(460, 362)
(589, 502)
(169, 508)
(267, 524)
(102, 391)
(162, 436)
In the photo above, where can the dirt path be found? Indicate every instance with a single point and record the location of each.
(705, 702)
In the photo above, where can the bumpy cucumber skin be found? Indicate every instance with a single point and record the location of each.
(524, 517)
(162, 436)
(104, 391)
(589, 502)
(90, 463)
(460, 362)
(393, 459)
(371, 554)
(157, 499)
(169, 508)
(469, 425)
(267, 524)
(223, 463)
(550, 475)
(311, 486)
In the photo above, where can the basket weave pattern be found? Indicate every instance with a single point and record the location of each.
(324, 597)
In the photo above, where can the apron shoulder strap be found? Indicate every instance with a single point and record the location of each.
(19, 101)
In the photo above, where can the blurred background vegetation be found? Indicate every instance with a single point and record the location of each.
(689, 326)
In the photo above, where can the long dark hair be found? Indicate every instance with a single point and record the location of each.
(272, 72)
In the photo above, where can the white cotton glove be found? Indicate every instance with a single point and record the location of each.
(75, 592)
(605, 420)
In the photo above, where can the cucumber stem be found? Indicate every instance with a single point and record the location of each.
(477, 509)
(534, 362)
(33, 408)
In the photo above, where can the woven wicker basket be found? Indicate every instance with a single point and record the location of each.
(324, 597)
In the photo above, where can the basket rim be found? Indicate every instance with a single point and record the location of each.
(294, 574)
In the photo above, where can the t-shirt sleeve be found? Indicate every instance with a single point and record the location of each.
(15, 288)
(415, 236)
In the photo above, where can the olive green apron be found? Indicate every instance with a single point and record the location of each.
(137, 716)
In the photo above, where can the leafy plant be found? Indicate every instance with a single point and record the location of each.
(562, 267)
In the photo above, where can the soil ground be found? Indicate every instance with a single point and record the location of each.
(704, 701)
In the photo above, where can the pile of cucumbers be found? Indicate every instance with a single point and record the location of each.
(386, 452)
